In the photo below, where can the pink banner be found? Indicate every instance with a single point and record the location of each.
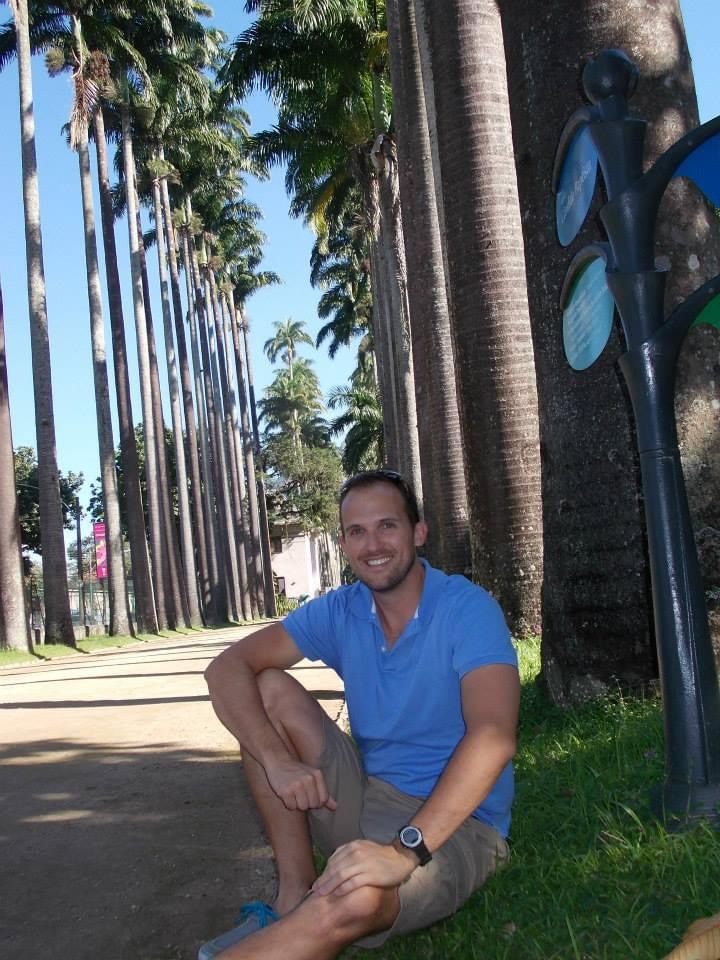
(100, 550)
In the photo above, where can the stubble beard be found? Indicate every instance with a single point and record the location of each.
(391, 584)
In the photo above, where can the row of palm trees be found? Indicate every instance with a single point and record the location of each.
(419, 139)
(143, 77)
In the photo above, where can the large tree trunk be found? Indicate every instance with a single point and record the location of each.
(597, 616)
(145, 615)
(186, 384)
(58, 622)
(441, 447)
(117, 589)
(186, 539)
(14, 620)
(154, 503)
(491, 328)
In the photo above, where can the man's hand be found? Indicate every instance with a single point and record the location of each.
(363, 863)
(299, 786)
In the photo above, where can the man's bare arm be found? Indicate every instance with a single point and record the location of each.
(235, 696)
(490, 701)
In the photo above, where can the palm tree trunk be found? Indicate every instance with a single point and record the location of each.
(14, 620)
(222, 406)
(252, 553)
(441, 446)
(145, 614)
(391, 239)
(188, 551)
(270, 599)
(117, 587)
(216, 609)
(58, 622)
(247, 451)
(491, 328)
(226, 538)
(186, 385)
(174, 588)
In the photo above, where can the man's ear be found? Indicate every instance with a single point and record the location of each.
(421, 532)
(341, 541)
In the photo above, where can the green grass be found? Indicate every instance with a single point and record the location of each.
(592, 875)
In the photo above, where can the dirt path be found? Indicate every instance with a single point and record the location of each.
(125, 830)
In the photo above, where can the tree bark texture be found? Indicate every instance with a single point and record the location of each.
(597, 612)
(491, 329)
(145, 614)
(58, 622)
(441, 448)
(14, 619)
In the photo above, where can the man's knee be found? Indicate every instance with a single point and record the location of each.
(362, 911)
(282, 696)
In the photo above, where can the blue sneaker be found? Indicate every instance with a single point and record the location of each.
(253, 917)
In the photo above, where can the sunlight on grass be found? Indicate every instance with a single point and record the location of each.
(592, 875)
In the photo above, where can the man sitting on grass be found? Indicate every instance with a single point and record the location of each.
(414, 811)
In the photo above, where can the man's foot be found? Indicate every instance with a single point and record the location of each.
(253, 917)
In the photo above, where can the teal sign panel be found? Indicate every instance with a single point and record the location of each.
(702, 166)
(575, 186)
(588, 316)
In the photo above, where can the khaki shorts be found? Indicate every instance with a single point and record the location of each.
(372, 809)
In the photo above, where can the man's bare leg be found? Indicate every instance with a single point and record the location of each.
(320, 927)
(298, 719)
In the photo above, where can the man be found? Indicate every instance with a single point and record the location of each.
(414, 818)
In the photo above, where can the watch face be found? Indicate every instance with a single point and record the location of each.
(410, 837)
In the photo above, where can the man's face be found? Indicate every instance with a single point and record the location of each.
(378, 537)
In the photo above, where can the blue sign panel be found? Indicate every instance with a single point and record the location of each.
(702, 166)
(576, 186)
(588, 317)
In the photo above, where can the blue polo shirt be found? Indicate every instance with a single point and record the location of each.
(404, 702)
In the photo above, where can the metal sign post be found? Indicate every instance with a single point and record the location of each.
(622, 272)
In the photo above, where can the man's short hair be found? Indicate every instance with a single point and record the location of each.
(367, 477)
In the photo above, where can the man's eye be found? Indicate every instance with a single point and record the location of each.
(389, 525)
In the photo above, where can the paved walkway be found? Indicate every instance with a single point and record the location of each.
(125, 827)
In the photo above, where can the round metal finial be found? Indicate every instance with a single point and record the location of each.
(611, 73)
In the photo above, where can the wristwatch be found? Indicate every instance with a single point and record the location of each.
(411, 838)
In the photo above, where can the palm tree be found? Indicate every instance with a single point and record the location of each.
(14, 621)
(86, 84)
(58, 623)
(596, 568)
(288, 335)
(333, 130)
(491, 329)
(441, 447)
(361, 424)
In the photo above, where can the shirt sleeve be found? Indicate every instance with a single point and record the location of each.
(313, 628)
(482, 634)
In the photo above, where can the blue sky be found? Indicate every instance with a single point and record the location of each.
(287, 251)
